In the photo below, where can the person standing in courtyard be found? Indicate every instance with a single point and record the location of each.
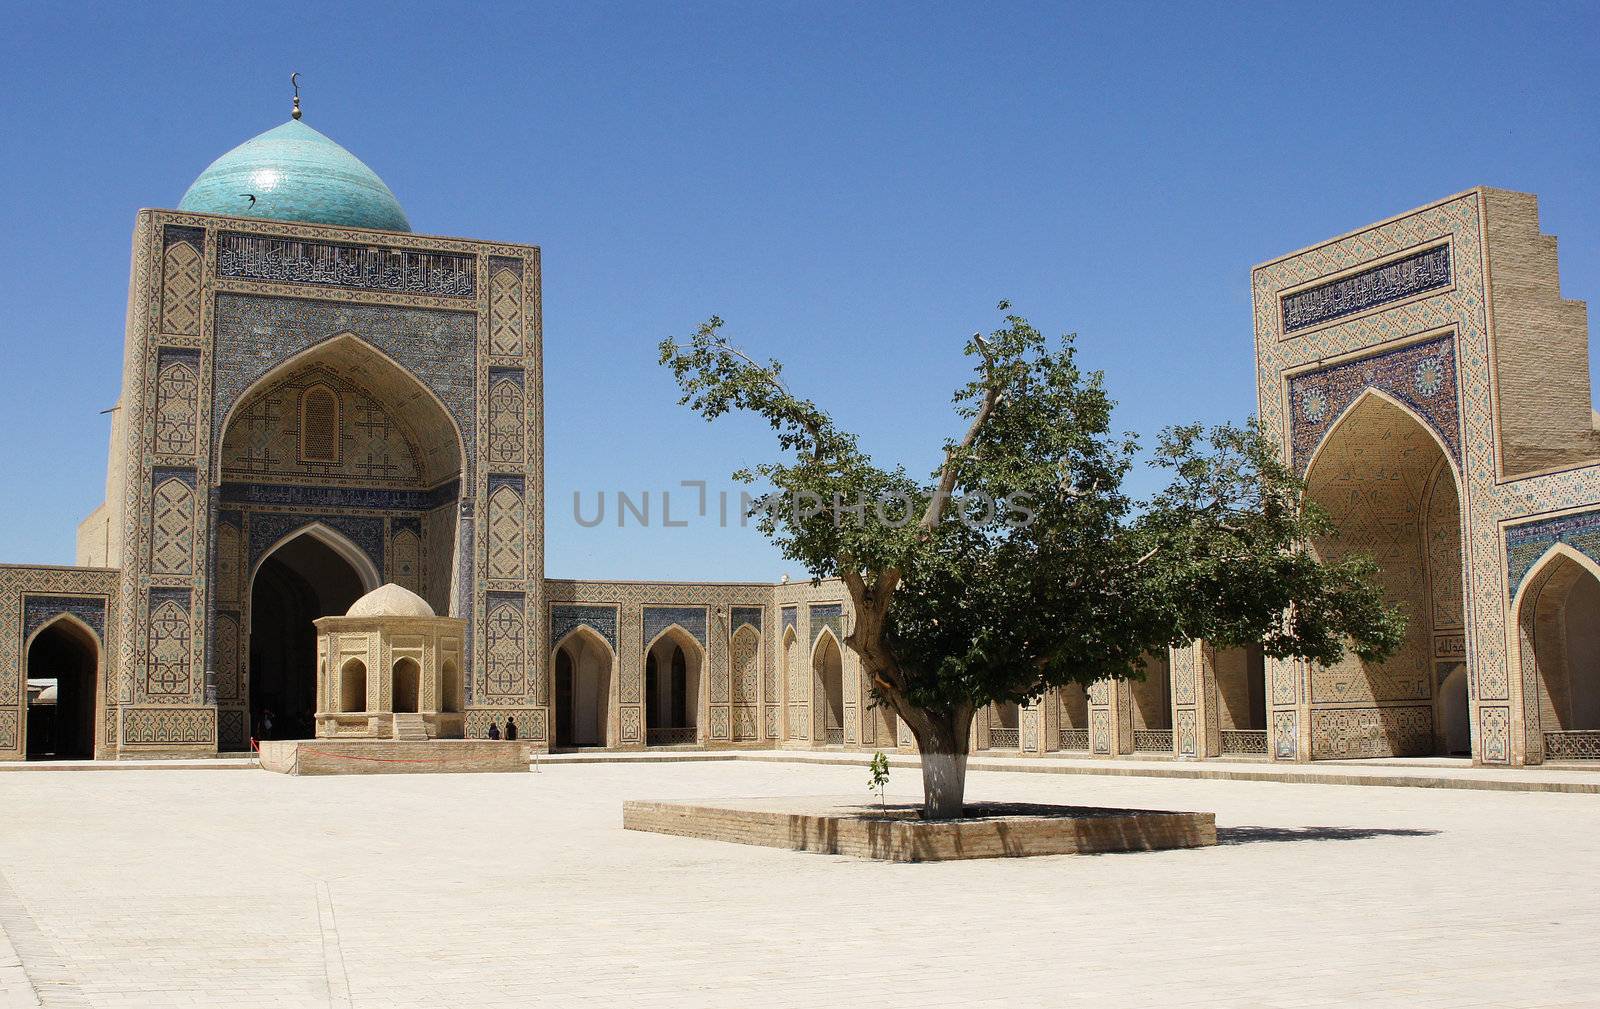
(511, 729)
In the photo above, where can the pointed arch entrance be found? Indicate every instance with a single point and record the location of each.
(312, 573)
(1558, 630)
(1151, 699)
(827, 671)
(583, 664)
(336, 468)
(63, 681)
(1240, 679)
(1384, 478)
(672, 668)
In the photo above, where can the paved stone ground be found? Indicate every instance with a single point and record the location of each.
(192, 888)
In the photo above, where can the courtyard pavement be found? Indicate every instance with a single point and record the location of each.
(192, 888)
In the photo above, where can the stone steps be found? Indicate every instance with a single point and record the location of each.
(409, 726)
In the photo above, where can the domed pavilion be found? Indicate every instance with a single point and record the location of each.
(389, 669)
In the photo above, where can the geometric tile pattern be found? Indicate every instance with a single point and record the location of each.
(1526, 542)
(830, 616)
(177, 402)
(659, 618)
(1422, 376)
(199, 341)
(40, 610)
(1488, 498)
(600, 619)
(1339, 733)
(505, 308)
(180, 288)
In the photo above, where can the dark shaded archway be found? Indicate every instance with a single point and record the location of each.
(672, 689)
(63, 672)
(301, 580)
(583, 664)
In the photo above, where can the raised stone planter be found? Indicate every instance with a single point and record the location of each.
(848, 826)
(393, 756)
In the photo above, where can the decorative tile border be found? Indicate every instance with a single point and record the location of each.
(1384, 284)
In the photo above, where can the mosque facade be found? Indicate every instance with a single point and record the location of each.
(317, 402)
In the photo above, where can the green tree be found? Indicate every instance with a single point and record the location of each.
(878, 778)
(1021, 563)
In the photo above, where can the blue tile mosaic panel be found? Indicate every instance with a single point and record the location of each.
(267, 528)
(1427, 270)
(740, 615)
(329, 264)
(690, 618)
(600, 619)
(40, 610)
(1526, 543)
(829, 615)
(1422, 376)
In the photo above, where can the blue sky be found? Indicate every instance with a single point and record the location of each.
(851, 187)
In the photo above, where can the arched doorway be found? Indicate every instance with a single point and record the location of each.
(449, 687)
(63, 672)
(827, 665)
(339, 437)
(672, 688)
(353, 686)
(1005, 724)
(1558, 622)
(1383, 477)
(1072, 707)
(407, 686)
(1152, 705)
(583, 664)
(302, 579)
(1240, 676)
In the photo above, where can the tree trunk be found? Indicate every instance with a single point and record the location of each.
(944, 740)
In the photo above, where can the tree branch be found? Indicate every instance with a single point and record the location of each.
(951, 468)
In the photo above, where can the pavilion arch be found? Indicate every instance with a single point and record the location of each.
(674, 667)
(1239, 681)
(1557, 642)
(827, 687)
(67, 650)
(1004, 726)
(353, 686)
(583, 675)
(406, 681)
(1390, 484)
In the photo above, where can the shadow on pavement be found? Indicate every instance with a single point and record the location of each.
(1252, 835)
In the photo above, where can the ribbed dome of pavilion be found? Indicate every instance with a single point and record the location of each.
(296, 174)
(390, 600)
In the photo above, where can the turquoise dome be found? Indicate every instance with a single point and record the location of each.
(296, 174)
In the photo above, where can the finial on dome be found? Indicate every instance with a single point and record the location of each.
(294, 82)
